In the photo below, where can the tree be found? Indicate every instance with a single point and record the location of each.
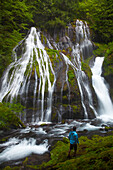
(100, 16)
(14, 20)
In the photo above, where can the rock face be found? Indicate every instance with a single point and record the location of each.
(50, 76)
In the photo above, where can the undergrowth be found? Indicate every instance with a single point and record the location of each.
(95, 153)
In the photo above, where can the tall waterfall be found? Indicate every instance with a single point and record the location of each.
(105, 109)
(40, 75)
(16, 79)
(83, 48)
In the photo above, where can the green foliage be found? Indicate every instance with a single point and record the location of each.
(53, 13)
(95, 153)
(106, 50)
(14, 19)
(99, 14)
(86, 69)
(15, 107)
(100, 50)
(108, 65)
(58, 154)
(18, 16)
(8, 119)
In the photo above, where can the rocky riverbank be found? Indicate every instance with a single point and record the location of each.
(48, 133)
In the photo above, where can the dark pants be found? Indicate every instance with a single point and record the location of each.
(73, 146)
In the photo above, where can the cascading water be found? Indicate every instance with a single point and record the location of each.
(16, 81)
(34, 76)
(105, 109)
(82, 48)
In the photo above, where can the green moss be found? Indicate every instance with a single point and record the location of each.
(43, 124)
(75, 108)
(54, 56)
(43, 38)
(108, 128)
(25, 161)
(63, 121)
(70, 49)
(35, 39)
(10, 72)
(71, 76)
(38, 52)
(95, 153)
(65, 140)
(37, 70)
(54, 114)
(41, 35)
(108, 65)
(51, 75)
(4, 139)
(69, 56)
(57, 39)
(87, 61)
(65, 105)
(11, 168)
(86, 69)
(46, 86)
(64, 98)
(66, 32)
(52, 52)
(101, 49)
(28, 70)
(64, 51)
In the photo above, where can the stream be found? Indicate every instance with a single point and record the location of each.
(36, 141)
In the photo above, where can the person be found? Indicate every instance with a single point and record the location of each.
(73, 137)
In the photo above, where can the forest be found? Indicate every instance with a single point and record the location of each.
(18, 16)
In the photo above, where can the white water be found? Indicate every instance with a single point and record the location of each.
(82, 47)
(105, 110)
(18, 149)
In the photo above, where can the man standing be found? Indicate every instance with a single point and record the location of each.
(73, 137)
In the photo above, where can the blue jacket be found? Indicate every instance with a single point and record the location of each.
(73, 137)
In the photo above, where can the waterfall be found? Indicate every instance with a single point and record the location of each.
(33, 62)
(83, 48)
(32, 77)
(105, 109)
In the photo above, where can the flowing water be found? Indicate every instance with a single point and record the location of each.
(16, 80)
(34, 60)
(105, 110)
(38, 140)
(83, 47)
